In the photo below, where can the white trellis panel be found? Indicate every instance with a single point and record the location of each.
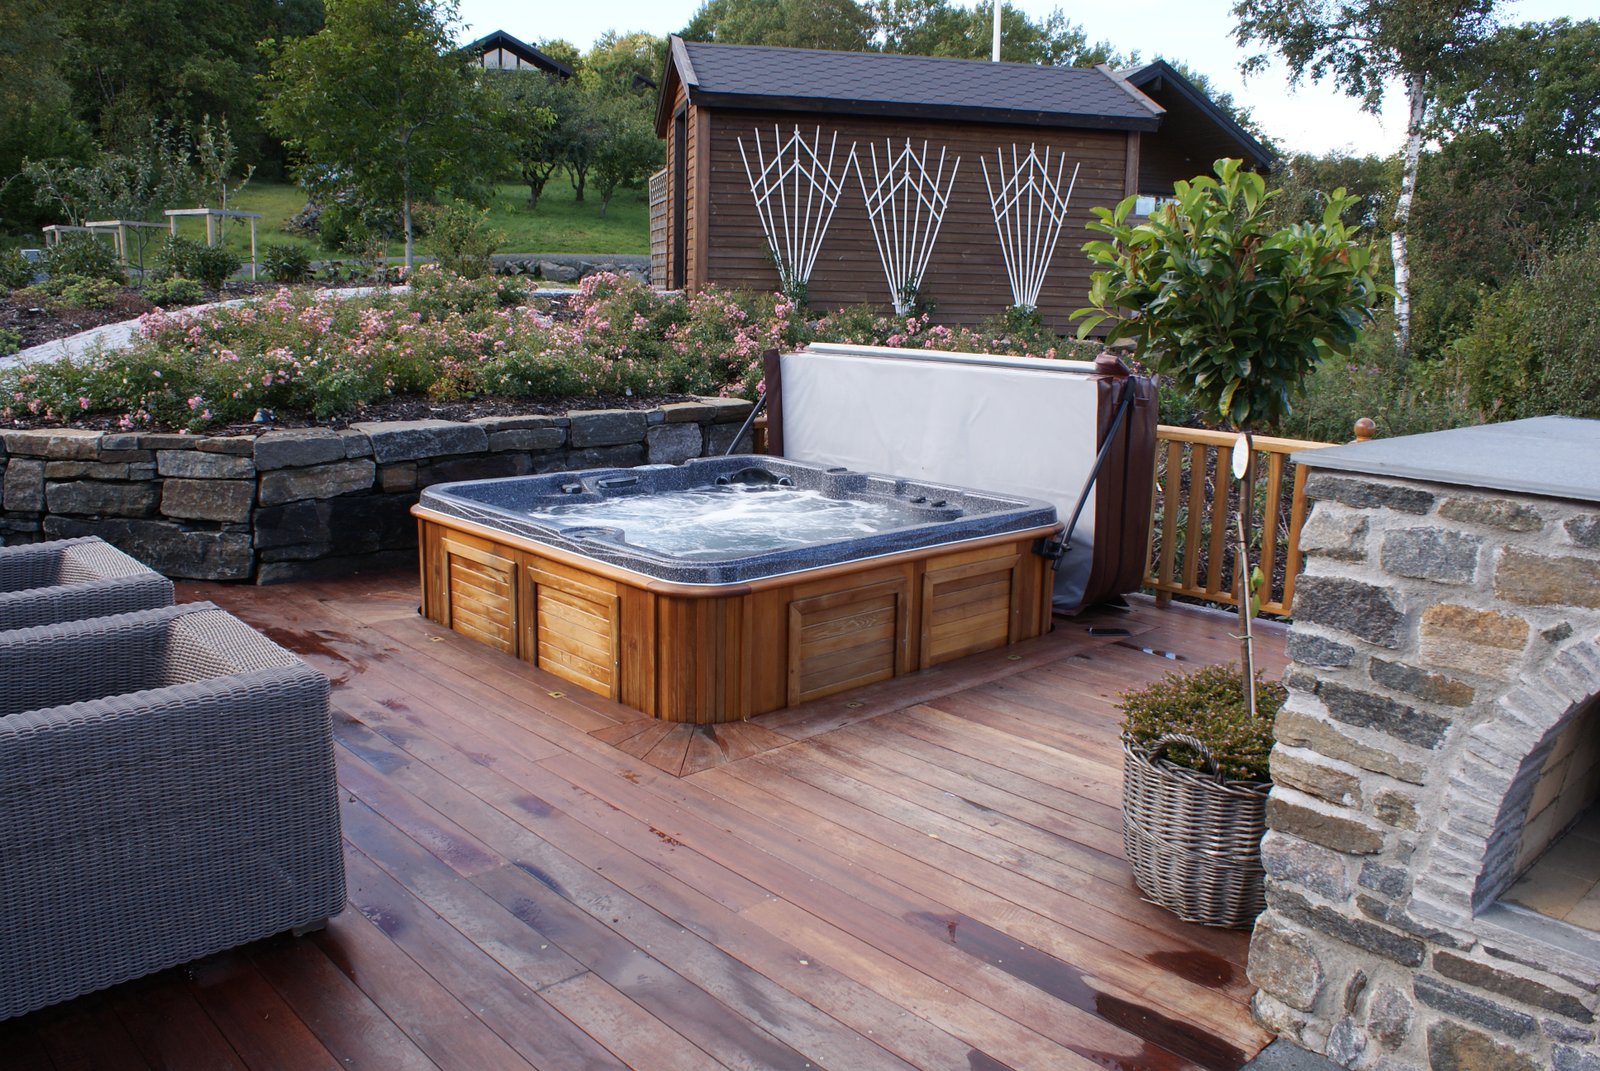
(795, 195)
(1029, 208)
(905, 204)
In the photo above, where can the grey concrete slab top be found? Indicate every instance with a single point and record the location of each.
(1554, 456)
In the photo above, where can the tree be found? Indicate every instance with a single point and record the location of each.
(625, 65)
(35, 103)
(1518, 168)
(380, 103)
(628, 150)
(837, 25)
(940, 28)
(1236, 309)
(1359, 45)
(530, 108)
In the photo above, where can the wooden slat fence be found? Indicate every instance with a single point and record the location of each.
(1191, 552)
(658, 228)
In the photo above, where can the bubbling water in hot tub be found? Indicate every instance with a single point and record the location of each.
(733, 520)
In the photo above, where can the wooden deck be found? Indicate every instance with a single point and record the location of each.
(926, 873)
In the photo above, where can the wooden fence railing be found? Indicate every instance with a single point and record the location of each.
(1190, 551)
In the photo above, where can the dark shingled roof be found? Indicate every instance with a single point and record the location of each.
(887, 84)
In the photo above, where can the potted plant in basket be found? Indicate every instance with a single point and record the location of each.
(1239, 312)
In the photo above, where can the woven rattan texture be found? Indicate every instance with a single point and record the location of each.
(166, 792)
(1194, 841)
(74, 579)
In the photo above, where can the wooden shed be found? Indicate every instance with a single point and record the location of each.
(724, 109)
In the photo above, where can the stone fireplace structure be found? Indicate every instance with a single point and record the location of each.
(1433, 853)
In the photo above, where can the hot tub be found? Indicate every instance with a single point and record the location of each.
(725, 587)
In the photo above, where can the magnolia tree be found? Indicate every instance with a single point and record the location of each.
(1234, 309)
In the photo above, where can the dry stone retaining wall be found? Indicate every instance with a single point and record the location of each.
(309, 502)
(1442, 636)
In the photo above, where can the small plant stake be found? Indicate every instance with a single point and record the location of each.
(1250, 579)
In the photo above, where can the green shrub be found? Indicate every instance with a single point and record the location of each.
(1534, 346)
(1209, 704)
(174, 291)
(10, 341)
(85, 256)
(285, 263)
(184, 258)
(70, 292)
(462, 243)
(15, 271)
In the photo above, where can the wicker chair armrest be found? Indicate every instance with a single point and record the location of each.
(46, 665)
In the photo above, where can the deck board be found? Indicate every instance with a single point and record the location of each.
(923, 873)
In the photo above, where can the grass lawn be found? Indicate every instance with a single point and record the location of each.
(559, 225)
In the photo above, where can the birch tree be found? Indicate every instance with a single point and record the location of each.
(1360, 46)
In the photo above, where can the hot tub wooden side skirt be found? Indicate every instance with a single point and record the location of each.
(707, 655)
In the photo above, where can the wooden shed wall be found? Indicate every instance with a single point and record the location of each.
(966, 276)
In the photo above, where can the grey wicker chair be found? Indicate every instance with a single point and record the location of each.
(73, 579)
(167, 791)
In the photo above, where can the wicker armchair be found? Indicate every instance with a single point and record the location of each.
(166, 792)
(73, 579)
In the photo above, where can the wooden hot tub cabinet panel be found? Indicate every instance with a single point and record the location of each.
(707, 654)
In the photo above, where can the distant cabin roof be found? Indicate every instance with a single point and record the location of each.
(1213, 130)
(898, 86)
(521, 49)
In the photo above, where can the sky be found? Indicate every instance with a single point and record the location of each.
(1310, 118)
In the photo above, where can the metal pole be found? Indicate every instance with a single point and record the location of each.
(996, 31)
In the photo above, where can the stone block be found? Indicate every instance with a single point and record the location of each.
(325, 568)
(1397, 808)
(204, 465)
(1366, 611)
(208, 500)
(1545, 580)
(1432, 554)
(1315, 776)
(163, 440)
(118, 441)
(233, 445)
(291, 525)
(298, 448)
(719, 437)
(1460, 1004)
(1283, 963)
(54, 444)
(24, 485)
(602, 457)
(401, 476)
(1301, 816)
(1346, 1043)
(530, 422)
(728, 410)
(317, 481)
(527, 439)
(1484, 642)
(606, 427)
(1429, 686)
(1328, 738)
(363, 524)
(99, 499)
(1334, 532)
(1379, 940)
(356, 443)
(88, 470)
(1310, 866)
(122, 457)
(1584, 530)
(1310, 650)
(1453, 1047)
(1568, 1058)
(679, 412)
(556, 272)
(1498, 513)
(1278, 1018)
(487, 467)
(1498, 978)
(1382, 714)
(1368, 494)
(167, 546)
(410, 440)
(1390, 1016)
(1391, 881)
(1559, 1030)
(673, 444)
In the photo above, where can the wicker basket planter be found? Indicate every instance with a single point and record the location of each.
(1194, 839)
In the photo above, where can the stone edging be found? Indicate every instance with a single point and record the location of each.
(310, 502)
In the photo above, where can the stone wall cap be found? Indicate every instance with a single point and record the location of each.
(1551, 456)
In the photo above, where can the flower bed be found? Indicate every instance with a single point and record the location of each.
(304, 354)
